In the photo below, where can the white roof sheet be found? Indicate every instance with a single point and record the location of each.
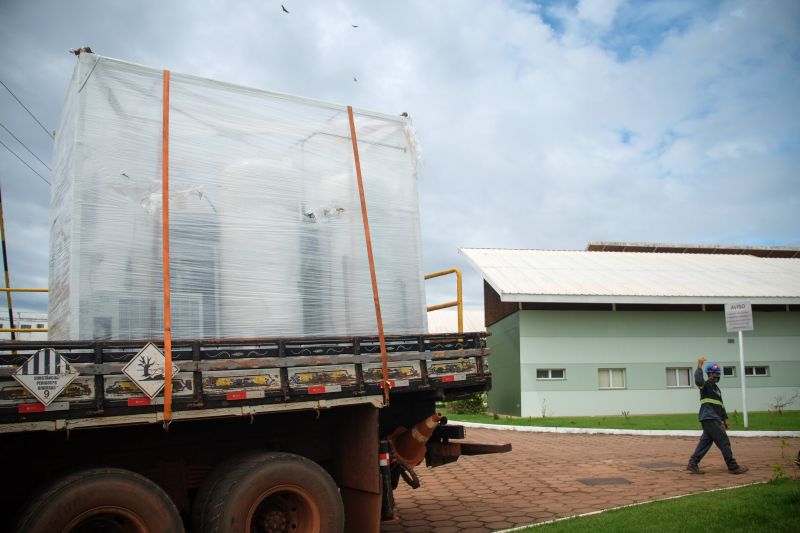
(625, 277)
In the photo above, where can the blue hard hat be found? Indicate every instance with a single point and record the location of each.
(713, 368)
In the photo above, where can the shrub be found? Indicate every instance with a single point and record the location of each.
(472, 405)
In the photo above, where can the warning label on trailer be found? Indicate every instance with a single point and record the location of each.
(45, 375)
(146, 369)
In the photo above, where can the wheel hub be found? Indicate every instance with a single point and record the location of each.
(284, 511)
(275, 521)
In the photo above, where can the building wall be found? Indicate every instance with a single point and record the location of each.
(504, 364)
(644, 344)
(25, 319)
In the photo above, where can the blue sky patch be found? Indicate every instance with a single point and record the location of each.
(625, 136)
(639, 27)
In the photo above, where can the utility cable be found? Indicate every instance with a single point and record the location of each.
(28, 149)
(26, 109)
(26, 164)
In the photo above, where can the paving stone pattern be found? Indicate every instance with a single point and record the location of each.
(540, 479)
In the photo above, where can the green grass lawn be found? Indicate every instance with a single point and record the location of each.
(773, 507)
(786, 421)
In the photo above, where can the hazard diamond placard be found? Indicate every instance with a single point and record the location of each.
(45, 375)
(146, 369)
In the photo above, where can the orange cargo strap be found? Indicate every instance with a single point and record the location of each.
(384, 354)
(165, 252)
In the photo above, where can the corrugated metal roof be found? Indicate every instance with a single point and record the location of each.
(673, 248)
(613, 277)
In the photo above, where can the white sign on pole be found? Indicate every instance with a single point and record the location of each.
(146, 369)
(45, 375)
(739, 316)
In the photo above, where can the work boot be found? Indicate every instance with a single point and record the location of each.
(694, 469)
(740, 469)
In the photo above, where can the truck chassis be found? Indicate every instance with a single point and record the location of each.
(305, 413)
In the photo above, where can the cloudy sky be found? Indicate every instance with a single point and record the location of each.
(543, 124)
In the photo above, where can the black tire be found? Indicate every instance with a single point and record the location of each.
(204, 493)
(101, 499)
(273, 491)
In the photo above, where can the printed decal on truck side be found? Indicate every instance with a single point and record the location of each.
(401, 372)
(242, 384)
(80, 390)
(439, 369)
(119, 387)
(313, 377)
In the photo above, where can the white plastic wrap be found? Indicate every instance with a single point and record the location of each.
(266, 237)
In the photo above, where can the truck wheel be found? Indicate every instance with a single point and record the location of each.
(101, 500)
(200, 502)
(273, 492)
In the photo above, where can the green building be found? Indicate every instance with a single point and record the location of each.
(619, 327)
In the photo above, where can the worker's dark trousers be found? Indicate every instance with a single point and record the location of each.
(714, 432)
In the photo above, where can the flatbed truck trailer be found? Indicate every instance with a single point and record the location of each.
(265, 226)
(264, 435)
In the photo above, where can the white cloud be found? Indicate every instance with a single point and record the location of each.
(542, 126)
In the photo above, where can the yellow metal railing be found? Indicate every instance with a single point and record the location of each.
(455, 303)
(22, 330)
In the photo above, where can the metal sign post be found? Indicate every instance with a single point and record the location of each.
(739, 317)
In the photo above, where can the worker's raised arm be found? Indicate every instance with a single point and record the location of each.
(698, 373)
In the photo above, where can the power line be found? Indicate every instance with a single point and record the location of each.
(26, 164)
(23, 145)
(26, 109)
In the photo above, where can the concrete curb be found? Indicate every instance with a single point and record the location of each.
(601, 431)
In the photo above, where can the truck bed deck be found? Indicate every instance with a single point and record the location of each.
(239, 377)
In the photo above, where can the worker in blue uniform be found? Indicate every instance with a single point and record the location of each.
(713, 418)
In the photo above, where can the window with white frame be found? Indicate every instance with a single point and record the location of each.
(729, 371)
(550, 373)
(756, 371)
(678, 377)
(611, 378)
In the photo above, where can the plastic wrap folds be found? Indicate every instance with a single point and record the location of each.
(266, 237)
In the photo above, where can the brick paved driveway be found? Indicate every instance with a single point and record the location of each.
(541, 478)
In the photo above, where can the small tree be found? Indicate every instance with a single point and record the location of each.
(782, 402)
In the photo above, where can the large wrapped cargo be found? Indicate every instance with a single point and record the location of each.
(266, 235)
